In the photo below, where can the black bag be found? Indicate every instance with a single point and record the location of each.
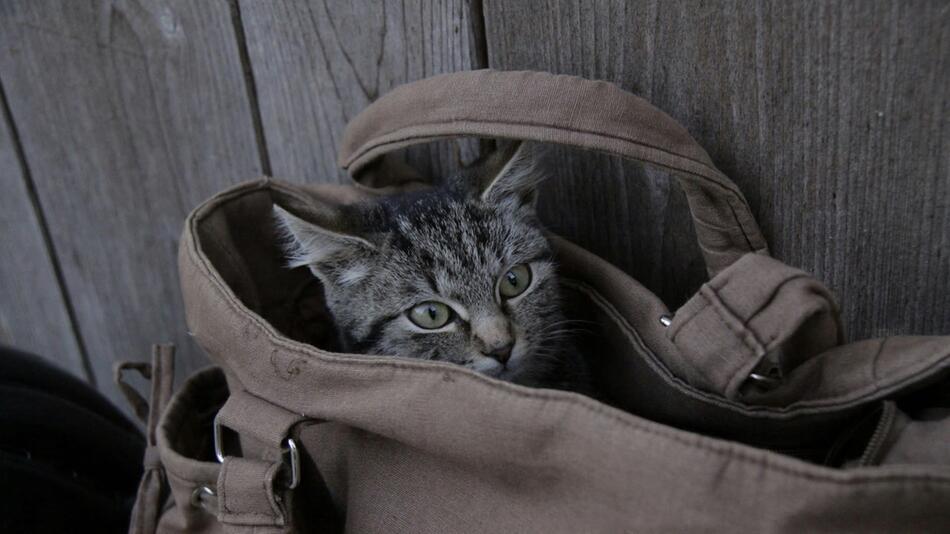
(69, 460)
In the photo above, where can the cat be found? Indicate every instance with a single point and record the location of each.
(460, 273)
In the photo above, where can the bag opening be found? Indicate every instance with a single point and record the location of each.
(239, 238)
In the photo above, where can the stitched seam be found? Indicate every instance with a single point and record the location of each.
(226, 472)
(731, 320)
(243, 515)
(681, 321)
(812, 310)
(775, 291)
(278, 516)
(735, 366)
(722, 450)
(267, 495)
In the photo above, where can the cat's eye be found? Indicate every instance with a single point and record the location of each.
(430, 315)
(515, 281)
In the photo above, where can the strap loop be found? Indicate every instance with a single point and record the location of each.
(257, 418)
(751, 326)
(289, 449)
(153, 488)
(264, 422)
(246, 494)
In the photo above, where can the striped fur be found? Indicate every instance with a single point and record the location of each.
(450, 244)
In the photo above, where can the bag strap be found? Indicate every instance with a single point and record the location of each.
(249, 498)
(255, 491)
(153, 488)
(255, 418)
(539, 106)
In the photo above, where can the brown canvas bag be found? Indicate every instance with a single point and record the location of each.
(740, 411)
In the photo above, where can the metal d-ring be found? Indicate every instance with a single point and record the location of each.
(294, 453)
(766, 381)
(218, 440)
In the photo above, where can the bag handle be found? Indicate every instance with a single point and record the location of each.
(544, 107)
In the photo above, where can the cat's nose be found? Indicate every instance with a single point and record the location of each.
(502, 354)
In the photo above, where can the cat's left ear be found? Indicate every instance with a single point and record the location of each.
(326, 236)
(511, 176)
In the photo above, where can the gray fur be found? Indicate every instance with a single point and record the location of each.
(378, 260)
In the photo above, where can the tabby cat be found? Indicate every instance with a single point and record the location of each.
(460, 273)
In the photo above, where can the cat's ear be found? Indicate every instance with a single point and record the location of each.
(324, 236)
(511, 176)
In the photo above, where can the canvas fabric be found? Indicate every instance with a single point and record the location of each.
(742, 412)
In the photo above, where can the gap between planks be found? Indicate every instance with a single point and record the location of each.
(48, 245)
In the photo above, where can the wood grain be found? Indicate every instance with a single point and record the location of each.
(831, 116)
(33, 312)
(316, 64)
(130, 113)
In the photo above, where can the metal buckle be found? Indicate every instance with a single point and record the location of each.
(289, 450)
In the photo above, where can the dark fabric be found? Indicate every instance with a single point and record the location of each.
(69, 460)
(27, 370)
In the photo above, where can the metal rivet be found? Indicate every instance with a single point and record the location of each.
(199, 496)
(666, 320)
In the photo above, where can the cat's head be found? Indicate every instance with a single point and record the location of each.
(461, 274)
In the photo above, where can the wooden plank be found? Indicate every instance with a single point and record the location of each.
(33, 312)
(316, 64)
(130, 113)
(831, 116)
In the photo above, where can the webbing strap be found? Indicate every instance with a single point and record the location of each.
(153, 488)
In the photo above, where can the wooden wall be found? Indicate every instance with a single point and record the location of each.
(118, 117)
